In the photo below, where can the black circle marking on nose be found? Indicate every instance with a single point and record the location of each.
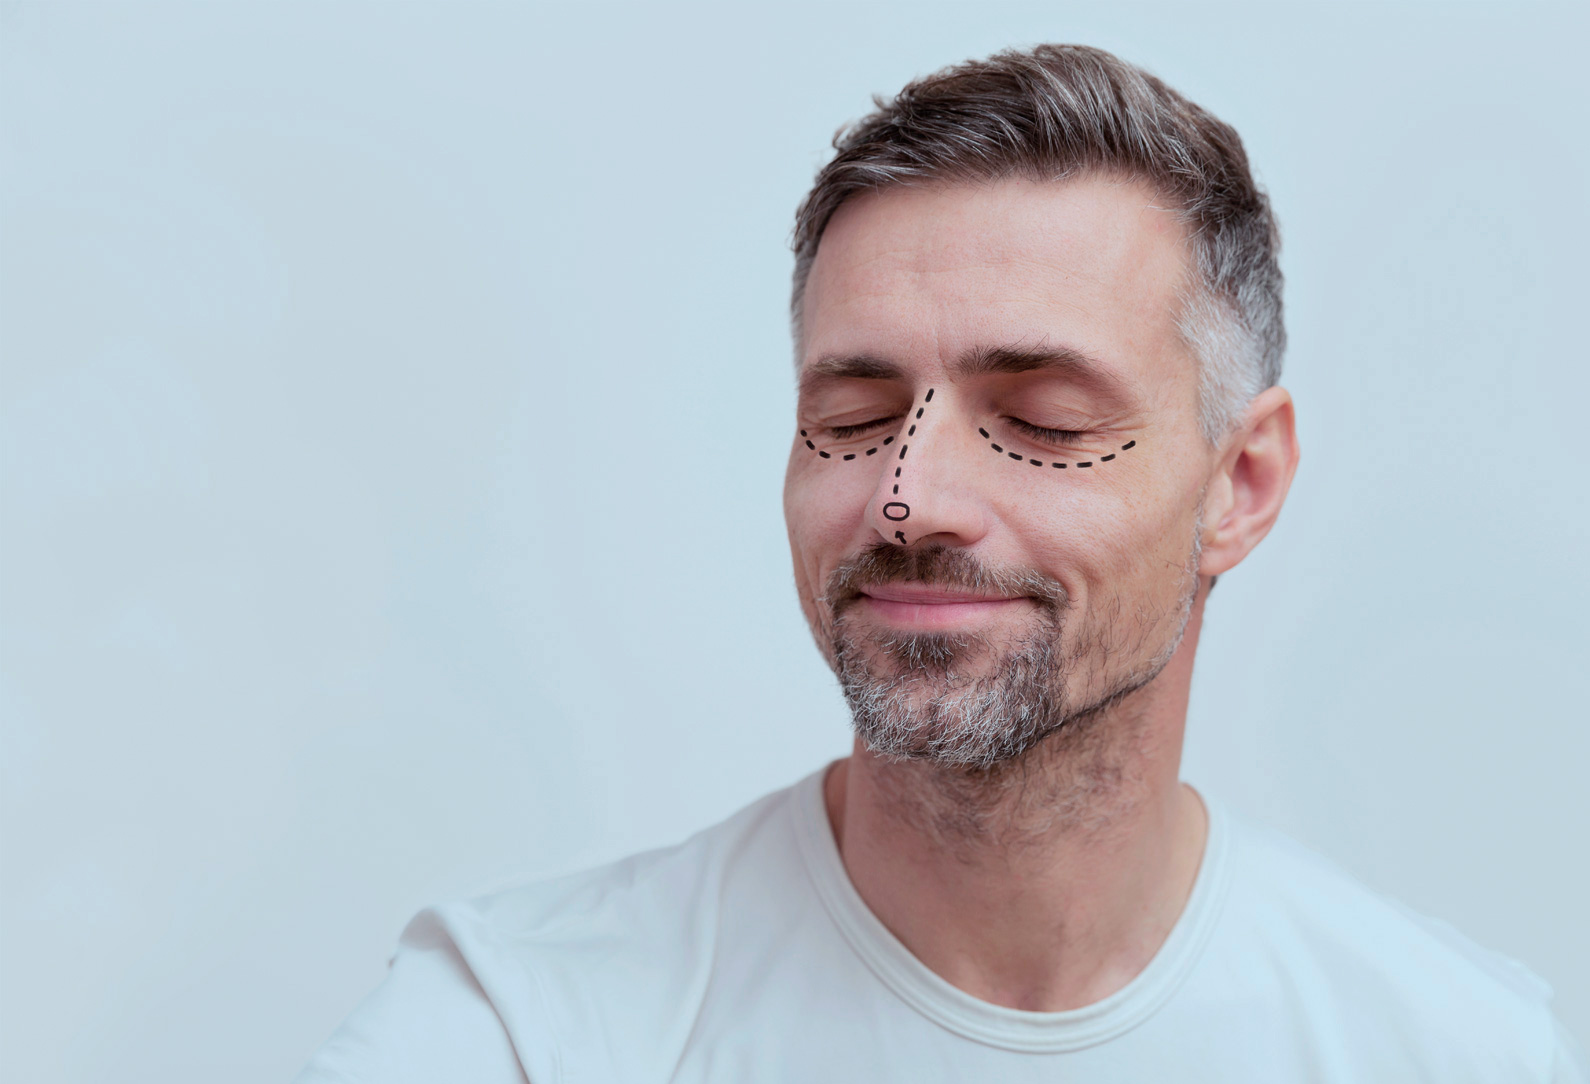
(1018, 457)
(905, 509)
(897, 511)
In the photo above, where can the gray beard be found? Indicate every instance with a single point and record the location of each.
(914, 696)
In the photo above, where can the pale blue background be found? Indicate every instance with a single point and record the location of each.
(395, 407)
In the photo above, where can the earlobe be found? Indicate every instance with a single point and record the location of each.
(1245, 496)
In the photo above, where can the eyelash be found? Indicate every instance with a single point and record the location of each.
(844, 432)
(1051, 436)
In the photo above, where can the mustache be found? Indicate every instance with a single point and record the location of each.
(935, 563)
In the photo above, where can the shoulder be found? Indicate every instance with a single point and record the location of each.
(1406, 988)
(427, 1023)
(527, 982)
(567, 966)
(646, 900)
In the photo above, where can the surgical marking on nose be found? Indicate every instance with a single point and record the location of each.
(911, 431)
(899, 511)
(903, 508)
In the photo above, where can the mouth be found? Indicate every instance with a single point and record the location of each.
(930, 607)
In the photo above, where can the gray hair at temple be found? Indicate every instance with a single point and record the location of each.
(1062, 111)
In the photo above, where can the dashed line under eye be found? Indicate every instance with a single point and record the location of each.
(1058, 436)
(1057, 465)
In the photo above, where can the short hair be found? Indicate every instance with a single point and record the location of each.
(1056, 112)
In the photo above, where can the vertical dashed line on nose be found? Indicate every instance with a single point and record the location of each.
(899, 511)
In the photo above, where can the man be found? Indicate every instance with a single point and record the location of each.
(1038, 326)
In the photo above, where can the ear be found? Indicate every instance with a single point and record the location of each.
(1250, 481)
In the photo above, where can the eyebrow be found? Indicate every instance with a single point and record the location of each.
(1064, 361)
(828, 370)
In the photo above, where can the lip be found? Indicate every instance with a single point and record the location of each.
(924, 606)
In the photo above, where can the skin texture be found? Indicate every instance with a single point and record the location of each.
(1049, 880)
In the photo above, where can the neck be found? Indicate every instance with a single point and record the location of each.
(1046, 883)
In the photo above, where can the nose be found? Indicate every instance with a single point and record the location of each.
(922, 492)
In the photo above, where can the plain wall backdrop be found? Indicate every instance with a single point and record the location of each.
(395, 406)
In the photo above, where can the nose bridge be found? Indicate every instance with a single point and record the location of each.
(897, 511)
(908, 505)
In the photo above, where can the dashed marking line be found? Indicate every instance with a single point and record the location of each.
(905, 509)
(1018, 457)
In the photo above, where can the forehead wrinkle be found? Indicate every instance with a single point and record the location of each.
(904, 277)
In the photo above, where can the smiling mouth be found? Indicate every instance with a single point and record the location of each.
(932, 607)
(937, 589)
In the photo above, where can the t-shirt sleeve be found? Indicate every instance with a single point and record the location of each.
(1568, 1062)
(428, 1023)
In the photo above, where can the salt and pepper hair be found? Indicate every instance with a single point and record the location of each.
(1063, 111)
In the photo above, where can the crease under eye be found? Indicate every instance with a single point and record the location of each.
(1048, 435)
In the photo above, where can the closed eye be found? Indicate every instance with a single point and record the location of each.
(1048, 436)
(842, 432)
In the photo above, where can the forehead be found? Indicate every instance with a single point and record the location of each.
(927, 273)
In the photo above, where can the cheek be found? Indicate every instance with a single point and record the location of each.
(824, 505)
(1100, 541)
(820, 515)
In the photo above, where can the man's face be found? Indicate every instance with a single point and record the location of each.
(1020, 546)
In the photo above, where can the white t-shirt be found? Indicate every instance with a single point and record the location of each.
(745, 954)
